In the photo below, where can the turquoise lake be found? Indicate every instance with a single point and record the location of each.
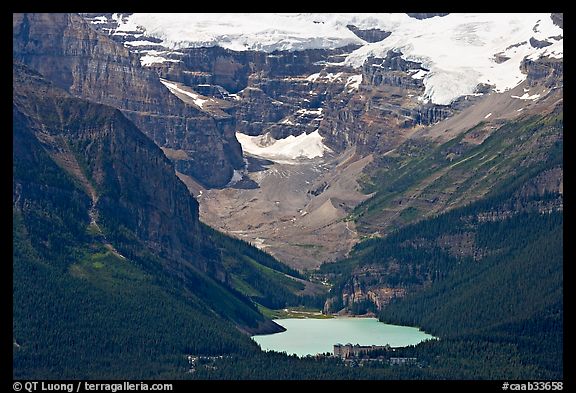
(312, 336)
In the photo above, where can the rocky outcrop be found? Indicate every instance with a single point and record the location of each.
(539, 43)
(357, 292)
(67, 51)
(369, 35)
(425, 15)
(224, 67)
(546, 70)
(392, 62)
(385, 109)
(392, 71)
(116, 158)
(427, 114)
(367, 289)
(558, 19)
(259, 111)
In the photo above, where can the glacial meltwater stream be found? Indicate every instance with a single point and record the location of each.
(313, 336)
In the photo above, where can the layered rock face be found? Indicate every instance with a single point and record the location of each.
(85, 175)
(548, 72)
(384, 111)
(290, 92)
(115, 163)
(65, 49)
(280, 92)
(366, 288)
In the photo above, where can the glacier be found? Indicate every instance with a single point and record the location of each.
(460, 51)
(288, 150)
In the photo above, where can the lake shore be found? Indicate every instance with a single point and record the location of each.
(310, 336)
(303, 313)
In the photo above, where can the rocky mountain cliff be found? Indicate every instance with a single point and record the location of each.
(391, 166)
(290, 92)
(65, 49)
(380, 104)
(287, 93)
(278, 93)
(110, 261)
(128, 200)
(112, 157)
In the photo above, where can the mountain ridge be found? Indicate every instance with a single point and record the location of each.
(480, 36)
(65, 49)
(365, 181)
(114, 243)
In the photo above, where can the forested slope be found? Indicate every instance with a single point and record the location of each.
(114, 276)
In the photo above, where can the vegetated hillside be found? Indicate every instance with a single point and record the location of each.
(462, 158)
(522, 164)
(497, 317)
(421, 180)
(486, 278)
(114, 276)
(511, 301)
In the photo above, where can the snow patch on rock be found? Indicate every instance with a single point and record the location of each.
(527, 96)
(148, 60)
(353, 82)
(286, 150)
(174, 88)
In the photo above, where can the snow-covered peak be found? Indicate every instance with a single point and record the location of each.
(239, 32)
(460, 51)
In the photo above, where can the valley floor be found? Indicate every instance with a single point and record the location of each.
(298, 211)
